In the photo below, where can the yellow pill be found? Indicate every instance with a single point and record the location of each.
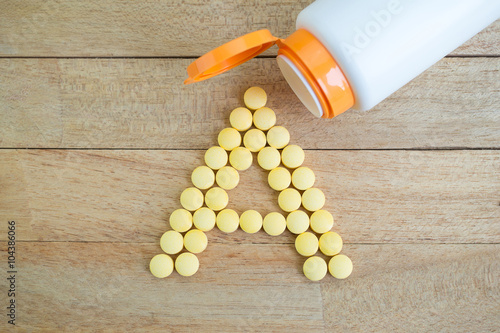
(171, 242)
(229, 138)
(241, 158)
(161, 265)
(306, 244)
(264, 118)
(315, 268)
(321, 221)
(204, 219)
(303, 178)
(255, 98)
(330, 243)
(241, 119)
(279, 178)
(274, 224)
(216, 157)
(227, 220)
(187, 264)
(191, 198)
(292, 156)
(313, 199)
(181, 220)
(278, 137)
(297, 222)
(216, 198)
(269, 158)
(340, 266)
(195, 241)
(254, 140)
(228, 178)
(251, 221)
(203, 177)
(289, 200)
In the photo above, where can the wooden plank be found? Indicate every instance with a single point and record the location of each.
(416, 288)
(178, 28)
(255, 287)
(85, 286)
(375, 196)
(142, 103)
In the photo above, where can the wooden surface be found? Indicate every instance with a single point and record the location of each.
(142, 103)
(175, 28)
(98, 137)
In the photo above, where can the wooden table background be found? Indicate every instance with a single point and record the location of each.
(99, 136)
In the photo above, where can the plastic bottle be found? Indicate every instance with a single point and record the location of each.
(353, 54)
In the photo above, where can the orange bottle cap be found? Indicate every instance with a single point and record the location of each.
(321, 80)
(230, 55)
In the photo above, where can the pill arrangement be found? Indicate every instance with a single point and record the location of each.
(294, 182)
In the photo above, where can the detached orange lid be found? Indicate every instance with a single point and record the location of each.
(307, 65)
(230, 55)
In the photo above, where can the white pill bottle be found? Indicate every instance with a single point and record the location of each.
(354, 53)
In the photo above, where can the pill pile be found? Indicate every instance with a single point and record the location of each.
(298, 198)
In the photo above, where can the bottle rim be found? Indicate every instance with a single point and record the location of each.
(320, 70)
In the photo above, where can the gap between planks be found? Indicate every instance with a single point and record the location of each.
(306, 149)
(253, 243)
(197, 56)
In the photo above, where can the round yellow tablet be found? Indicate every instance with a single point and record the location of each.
(204, 219)
(278, 137)
(241, 119)
(161, 265)
(303, 178)
(274, 224)
(171, 242)
(241, 158)
(340, 266)
(279, 178)
(216, 198)
(313, 199)
(229, 138)
(251, 221)
(315, 268)
(269, 158)
(203, 177)
(292, 156)
(228, 220)
(306, 244)
(321, 221)
(195, 241)
(187, 264)
(191, 198)
(216, 157)
(255, 98)
(227, 178)
(254, 140)
(330, 243)
(297, 222)
(264, 118)
(181, 220)
(289, 200)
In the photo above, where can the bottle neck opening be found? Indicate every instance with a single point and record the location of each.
(300, 86)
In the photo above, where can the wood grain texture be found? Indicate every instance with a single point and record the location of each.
(375, 196)
(414, 288)
(141, 103)
(257, 287)
(164, 28)
(413, 184)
